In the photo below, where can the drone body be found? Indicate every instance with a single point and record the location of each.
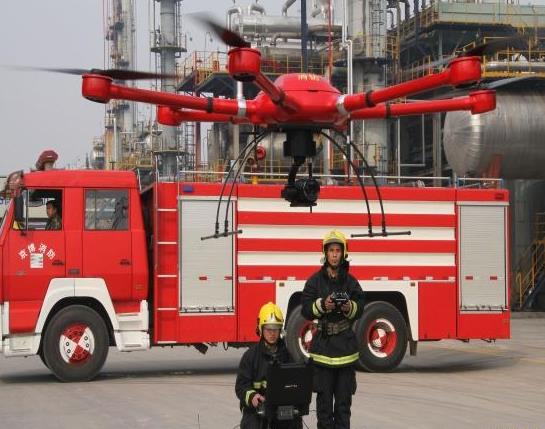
(299, 99)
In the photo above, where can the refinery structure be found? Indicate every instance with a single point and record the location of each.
(360, 45)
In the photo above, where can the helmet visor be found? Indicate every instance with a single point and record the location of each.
(275, 326)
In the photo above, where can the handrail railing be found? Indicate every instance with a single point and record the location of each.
(417, 181)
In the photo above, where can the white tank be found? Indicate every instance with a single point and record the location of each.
(513, 135)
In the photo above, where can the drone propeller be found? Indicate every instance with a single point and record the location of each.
(229, 37)
(116, 74)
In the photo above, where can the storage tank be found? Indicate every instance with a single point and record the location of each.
(513, 135)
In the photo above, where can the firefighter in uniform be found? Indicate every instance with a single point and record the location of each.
(251, 380)
(334, 347)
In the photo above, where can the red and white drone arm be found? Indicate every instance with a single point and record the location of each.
(459, 71)
(101, 89)
(476, 102)
(171, 116)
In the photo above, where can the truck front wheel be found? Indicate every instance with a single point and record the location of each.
(75, 344)
(382, 332)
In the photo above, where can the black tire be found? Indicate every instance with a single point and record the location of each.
(382, 333)
(75, 344)
(42, 358)
(299, 332)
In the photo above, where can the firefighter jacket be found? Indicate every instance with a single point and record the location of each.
(252, 371)
(334, 344)
(54, 224)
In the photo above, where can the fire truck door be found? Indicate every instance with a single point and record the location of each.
(206, 266)
(107, 240)
(35, 255)
(482, 257)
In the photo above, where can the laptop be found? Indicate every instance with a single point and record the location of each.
(289, 390)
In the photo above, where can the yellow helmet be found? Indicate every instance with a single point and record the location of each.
(335, 236)
(269, 315)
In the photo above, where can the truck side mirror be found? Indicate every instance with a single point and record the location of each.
(20, 209)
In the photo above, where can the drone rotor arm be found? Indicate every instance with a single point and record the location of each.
(101, 89)
(209, 105)
(172, 116)
(476, 102)
(460, 71)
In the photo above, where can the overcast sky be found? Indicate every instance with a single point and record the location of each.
(41, 111)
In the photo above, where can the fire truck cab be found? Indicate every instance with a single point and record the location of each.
(129, 269)
(95, 263)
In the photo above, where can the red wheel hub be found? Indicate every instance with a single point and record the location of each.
(381, 338)
(76, 343)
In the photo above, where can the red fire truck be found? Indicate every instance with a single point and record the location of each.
(129, 269)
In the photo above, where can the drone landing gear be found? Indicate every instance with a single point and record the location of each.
(370, 233)
(301, 192)
(242, 158)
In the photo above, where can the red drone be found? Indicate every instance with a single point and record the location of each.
(299, 99)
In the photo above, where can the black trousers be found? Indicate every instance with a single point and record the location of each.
(334, 388)
(251, 420)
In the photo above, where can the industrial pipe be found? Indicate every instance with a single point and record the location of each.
(277, 36)
(286, 6)
(256, 7)
(258, 24)
(232, 10)
(316, 28)
(518, 66)
(391, 13)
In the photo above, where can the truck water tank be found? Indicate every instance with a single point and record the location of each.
(513, 135)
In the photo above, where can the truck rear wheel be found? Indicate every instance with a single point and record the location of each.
(299, 335)
(383, 334)
(75, 344)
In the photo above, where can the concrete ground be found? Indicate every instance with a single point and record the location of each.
(448, 385)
